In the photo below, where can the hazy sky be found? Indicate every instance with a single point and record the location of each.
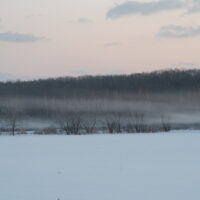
(76, 37)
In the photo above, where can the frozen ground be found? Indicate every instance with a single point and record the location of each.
(101, 167)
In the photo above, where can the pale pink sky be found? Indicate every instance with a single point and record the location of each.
(76, 37)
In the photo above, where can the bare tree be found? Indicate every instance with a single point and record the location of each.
(166, 127)
(113, 124)
(76, 123)
(89, 124)
(68, 126)
(71, 123)
(139, 122)
(12, 117)
(110, 125)
(118, 123)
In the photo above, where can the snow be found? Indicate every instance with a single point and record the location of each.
(101, 167)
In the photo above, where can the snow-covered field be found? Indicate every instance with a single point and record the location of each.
(101, 167)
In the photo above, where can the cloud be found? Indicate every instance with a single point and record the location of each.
(193, 6)
(85, 20)
(81, 20)
(147, 8)
(111, 44)
(18, 37)
(30, 16)
(174, 31)
(144, 8)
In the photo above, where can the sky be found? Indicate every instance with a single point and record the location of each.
(49, 38)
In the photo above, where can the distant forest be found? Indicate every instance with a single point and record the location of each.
(142, 102)
(100, 86)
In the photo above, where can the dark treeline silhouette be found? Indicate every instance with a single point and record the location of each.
(96, 86)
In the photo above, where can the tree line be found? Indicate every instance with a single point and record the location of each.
(109, 85)
(113, 103)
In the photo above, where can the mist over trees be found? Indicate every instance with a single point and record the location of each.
(142, 102)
